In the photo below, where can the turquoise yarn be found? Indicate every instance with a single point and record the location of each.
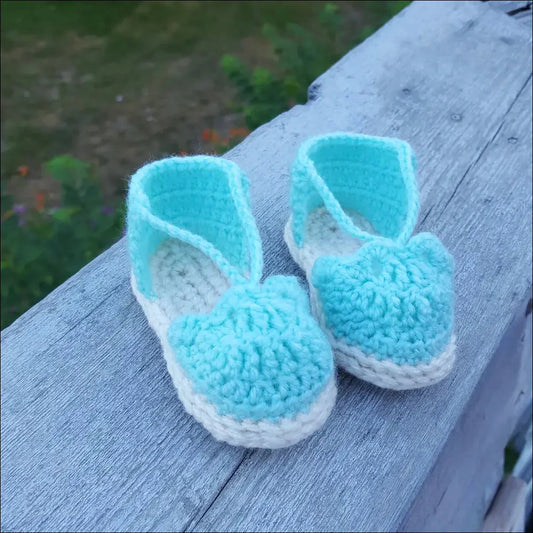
(392, 301)
(259, 354)
(394, 298)
(374, 176)
(200, 200)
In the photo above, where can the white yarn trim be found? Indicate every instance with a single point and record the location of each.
(249, 433)
(385, 374)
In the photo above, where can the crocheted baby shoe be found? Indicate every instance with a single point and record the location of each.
(385, 301)
(249, 361)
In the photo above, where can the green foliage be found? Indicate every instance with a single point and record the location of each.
(510, 458)
(300, 57)
(42, 247)
(50, 18)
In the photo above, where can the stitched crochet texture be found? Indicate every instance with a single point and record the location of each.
(390, 297)
(259, 354)
(373, 176)
(202, 201)
(253, 351)
(393, 301)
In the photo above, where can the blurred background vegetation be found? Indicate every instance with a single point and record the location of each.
(92, 90)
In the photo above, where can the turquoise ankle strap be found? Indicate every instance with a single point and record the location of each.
(374, 176)
(200, 200)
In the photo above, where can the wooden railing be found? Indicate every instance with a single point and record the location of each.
(93, 435)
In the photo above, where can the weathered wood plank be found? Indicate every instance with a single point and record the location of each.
(476, 195)
(70, 304)
(93, 436)
(470, 467)
(524, 472)
(519, 10)
(509, 6)
(508, 510)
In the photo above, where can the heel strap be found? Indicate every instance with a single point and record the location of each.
(307, 182)
(147, 230)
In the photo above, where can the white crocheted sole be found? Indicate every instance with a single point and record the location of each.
(191, 283)
(324, 237)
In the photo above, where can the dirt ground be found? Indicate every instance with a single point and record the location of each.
(118, 84)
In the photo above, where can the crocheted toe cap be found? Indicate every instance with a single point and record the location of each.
(393, 302)
(259, 354)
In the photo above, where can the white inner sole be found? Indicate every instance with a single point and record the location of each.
(189, 282)
(323, 236)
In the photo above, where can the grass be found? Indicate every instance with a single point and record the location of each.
(119, 83)
(116, 84)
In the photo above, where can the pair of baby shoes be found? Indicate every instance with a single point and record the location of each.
(254, 362)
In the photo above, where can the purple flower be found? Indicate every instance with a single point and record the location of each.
(19, 209)
(106, 210)
(21, 222)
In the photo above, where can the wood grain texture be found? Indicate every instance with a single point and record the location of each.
(523, 469)
(93, 436)
(508, 510)
(520, 10)
(470, 466)
(509, 6)
(379, 446)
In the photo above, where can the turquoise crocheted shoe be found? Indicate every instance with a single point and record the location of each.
(385, 300)
(249, 361)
